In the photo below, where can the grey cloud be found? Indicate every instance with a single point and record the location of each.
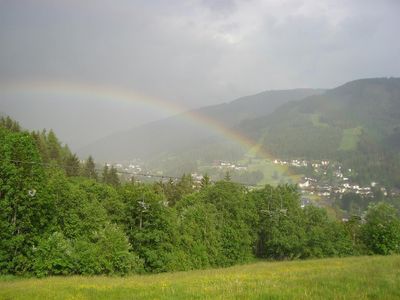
(199, 52)
(192, 53)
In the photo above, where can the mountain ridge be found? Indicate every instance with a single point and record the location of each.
(186, 134)
(357, 123)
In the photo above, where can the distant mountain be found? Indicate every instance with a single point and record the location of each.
(77, 119)
(176, 134)
(357, 123)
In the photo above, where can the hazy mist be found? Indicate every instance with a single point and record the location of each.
(190, 53)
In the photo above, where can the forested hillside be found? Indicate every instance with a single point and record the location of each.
(60, 216)
(357, 123)
(183, 133)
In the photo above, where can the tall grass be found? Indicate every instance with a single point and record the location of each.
(374, 277)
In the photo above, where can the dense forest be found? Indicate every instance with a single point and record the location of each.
(357, 124)
(60, 216)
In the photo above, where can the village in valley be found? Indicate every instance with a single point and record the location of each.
(320, 182)
(328, 178)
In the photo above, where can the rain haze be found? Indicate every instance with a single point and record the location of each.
(199, 149)
(183, 54)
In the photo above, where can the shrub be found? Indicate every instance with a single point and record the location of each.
(381, 232)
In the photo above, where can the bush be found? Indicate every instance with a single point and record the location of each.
(53, 256)
(108, 252)
(381, 232)
(113, 252)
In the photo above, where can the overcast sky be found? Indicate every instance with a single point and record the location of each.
(197, 53)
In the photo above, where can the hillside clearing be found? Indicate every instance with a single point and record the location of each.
(374, 277)
(350, 138)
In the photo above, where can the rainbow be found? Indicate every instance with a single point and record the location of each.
(116, 93)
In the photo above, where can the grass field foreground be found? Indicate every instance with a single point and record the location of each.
(374, 277)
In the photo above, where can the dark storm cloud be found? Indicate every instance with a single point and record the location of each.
(199, 52)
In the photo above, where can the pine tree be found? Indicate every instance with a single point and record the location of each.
(113, 178)
(10, 124)
(72, 165)
(104, 175)
(89, 169)
(205, 181)
(227, 176)
(110, 176)
(54, 147)
(40, 140)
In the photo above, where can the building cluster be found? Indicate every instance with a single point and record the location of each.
(302, 163)
(313, 187)
(331, 179)
(226, 165)
(293, 163)
(132, 167)
(197, 178)
(129, 169)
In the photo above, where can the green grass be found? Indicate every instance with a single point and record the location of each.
(273, 174)
(372, 277)
(316, 121)
(350, 138)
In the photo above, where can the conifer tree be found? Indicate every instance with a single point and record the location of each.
(89, 169)
(113, 178)
(54, 147)
(110, 176)
(72, 165)
(104, 174)
(10, 124)
(227, 176)
(205, 181)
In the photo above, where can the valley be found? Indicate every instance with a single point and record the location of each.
(199, 149)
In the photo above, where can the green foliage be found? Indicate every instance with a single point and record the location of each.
(357, 124)
(112, 252)
(324, 237)
(53, 256)
(353, 203)
(89, 169)
(280, 232)
(286, 231)
(227, 176)
(205, 181)
(350, 138)
(353, 228)
(248, 177)
(175, 190)
(236, 219)
(106, 196)
(198, 229)
(110, 176)
(54, 147)
(53, 222)
(381, 232)
(52, 151)
(105, 252)
(25, 209)
(78, 212)
(150, 225)
(10, 124)
(72, 165)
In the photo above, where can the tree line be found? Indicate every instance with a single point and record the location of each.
(58, 216)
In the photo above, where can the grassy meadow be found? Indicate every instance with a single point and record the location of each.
(374, 277)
